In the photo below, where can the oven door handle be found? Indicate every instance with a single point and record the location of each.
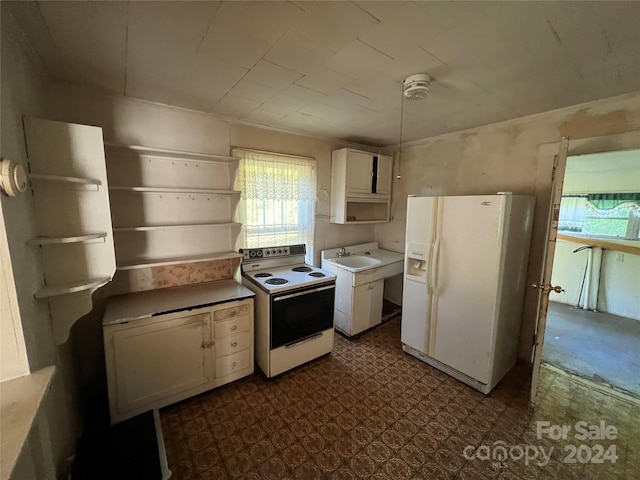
(305, 292)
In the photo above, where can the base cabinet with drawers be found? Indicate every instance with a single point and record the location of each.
(155, 361)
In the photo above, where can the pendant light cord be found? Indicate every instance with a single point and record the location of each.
(398, 175)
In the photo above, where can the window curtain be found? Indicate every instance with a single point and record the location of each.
(610, 201)
(576, 209)
(277, 201)
(573, 209)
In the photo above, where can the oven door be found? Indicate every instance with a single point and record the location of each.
(301, 314)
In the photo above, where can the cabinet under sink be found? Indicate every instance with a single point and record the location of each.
(360, 275)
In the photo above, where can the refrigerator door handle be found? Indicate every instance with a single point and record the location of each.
(435, 260)
(434, 265)
(437, 237)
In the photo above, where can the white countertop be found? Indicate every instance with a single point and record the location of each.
(382, 257)
(610, 243)
(20, 400)
(133, 306)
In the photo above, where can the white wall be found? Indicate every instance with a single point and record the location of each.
(137, 122)
(22, 94)
(603, 173)
(620, 284)
(602, 182)
(619, 293)
(500, 157)
(619, 279)
(503, 157)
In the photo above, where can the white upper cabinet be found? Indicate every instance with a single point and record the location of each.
(384, 172)
(359, 167)
(360, 186)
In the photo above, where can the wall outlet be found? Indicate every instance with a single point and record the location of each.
(619, 257)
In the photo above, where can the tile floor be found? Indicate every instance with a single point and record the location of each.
(370, 411)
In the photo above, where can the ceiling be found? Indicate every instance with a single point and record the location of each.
(624, 161)
(335, 69)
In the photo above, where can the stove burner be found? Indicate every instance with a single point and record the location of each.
(276, 281)
(263, 275)
(317, 274)
(301, 269)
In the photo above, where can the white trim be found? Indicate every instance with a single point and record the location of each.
(15, 362)
(580, 146)
(267, 152)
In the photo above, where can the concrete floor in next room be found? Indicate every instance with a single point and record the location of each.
(599, 346)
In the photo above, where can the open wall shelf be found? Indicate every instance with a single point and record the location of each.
(174, 190)
(166, 154)
(72, 217)
(41, 177)
(147, 228)
(66, 288)
(179, 260)
(54, 240)
(171, 207)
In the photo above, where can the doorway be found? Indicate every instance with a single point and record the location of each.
(593, 325)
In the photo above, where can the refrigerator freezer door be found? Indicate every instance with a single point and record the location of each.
(469, 243)
(416, 293)
(415, 330)
(420, 219)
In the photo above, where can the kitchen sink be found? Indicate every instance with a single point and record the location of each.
(360, 279)
(356, 261)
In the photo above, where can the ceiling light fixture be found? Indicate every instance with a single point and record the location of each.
(414, 87)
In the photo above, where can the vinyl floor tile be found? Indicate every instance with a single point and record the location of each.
(368, 410)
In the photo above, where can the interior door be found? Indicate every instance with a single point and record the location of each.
(466, 276)
(544, 284)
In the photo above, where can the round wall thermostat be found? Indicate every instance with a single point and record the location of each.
(13, 179)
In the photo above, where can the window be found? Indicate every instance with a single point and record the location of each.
(601, 214)
(277, 203)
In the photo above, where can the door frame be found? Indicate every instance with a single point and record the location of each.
(548, 155)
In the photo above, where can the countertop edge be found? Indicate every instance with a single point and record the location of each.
(139, 305)
(20, 401)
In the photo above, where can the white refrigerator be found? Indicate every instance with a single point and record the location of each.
(465, 267)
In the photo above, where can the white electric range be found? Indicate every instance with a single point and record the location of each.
(293, 307)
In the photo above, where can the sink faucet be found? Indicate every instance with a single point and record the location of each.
(343, 252)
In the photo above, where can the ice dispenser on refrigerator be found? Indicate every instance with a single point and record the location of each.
(416, 262)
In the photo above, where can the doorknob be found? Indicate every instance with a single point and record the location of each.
(548, 288)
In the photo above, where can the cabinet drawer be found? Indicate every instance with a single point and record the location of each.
(232, 344)
(232, 363)
(230, 327)
(235, 311)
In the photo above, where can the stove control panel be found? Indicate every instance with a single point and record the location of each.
(271, 252)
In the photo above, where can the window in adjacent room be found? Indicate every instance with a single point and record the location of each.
(601, 214)
(277, 202)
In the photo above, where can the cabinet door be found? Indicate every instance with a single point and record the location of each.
(367, 306)
(359, 172)
(161, 359)
(385, 172)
